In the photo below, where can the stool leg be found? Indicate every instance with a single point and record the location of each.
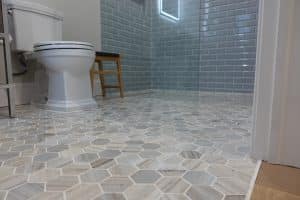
(102, 79)
(120, 78)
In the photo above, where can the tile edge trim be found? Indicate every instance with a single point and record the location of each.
(253, 180)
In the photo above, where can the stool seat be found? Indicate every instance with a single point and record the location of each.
(113, 57)
(106, 54)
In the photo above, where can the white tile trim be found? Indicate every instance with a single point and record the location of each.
(253, 180)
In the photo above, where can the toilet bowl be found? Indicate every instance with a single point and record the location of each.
(67, 64)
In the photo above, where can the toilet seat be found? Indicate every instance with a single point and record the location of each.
(60, 45)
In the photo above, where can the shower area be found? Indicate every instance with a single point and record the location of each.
(183, 45)
(192, 62)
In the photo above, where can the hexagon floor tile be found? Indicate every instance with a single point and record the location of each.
(94, 176)
(204, 192)
(145, 176)
(111, 196)
(160, 145)
(122, 170)
(61, 183)
(116, 184)
(199, 178)
(145, 192)
(172, 185)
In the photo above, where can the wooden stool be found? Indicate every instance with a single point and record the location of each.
(103, 56)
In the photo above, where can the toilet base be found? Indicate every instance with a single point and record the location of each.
(66, 106)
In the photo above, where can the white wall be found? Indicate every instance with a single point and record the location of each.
(81, 19)
(276, 135)
(290, 142)
(81, 23)
(264, 75)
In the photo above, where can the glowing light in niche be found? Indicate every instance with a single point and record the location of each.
(169, 15)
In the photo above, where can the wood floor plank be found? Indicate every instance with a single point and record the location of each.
(266, 193)
(275, 182)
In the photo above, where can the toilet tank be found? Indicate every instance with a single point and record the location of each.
(31, 23)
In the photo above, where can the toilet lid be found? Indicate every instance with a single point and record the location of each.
(51, 45)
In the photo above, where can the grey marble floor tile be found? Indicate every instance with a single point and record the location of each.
(204, 192)
(149, 154)
(103, 163)
(151, 146)
(174, 197)
(6, 171)
(58, 148)
(75, 169)
(173, 172)
(109, 153)
(146, 192)
(29, 168)
(235, 197)
(222, 171)
(172, 185)
(44, 175)
(146, 176)
(2, 195)
(61, 183)
(86, 157)
(8, 155)
(149, 164)
(116, 184)
(129, 159)
(191, 154)
(135, 142)
(158, 145)
(195, 165)
(100, 141)
(94, 176)
(59, 162)
(45, 157)
(12, 181)
(83, 191)
(18, 161)
(232, 186)
(214, 159)
(48, 196)
(24, 147)
(25, 191)
(199, 178)
(111, 196)
(122, 170)
(247, 167)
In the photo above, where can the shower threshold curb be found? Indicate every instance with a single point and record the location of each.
(253, 180)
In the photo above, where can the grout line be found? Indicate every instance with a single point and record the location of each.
(253, 180)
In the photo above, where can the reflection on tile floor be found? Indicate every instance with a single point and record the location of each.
(150, 146)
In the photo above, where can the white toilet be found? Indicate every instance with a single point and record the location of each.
(68, 65)
(39, 29)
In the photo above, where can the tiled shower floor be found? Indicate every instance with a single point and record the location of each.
(150, 146)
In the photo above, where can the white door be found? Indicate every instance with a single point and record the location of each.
(276, 134)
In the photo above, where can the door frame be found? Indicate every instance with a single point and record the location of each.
(274, 49)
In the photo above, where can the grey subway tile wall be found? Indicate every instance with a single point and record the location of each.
(176, 48)
(126, 30)
(212, 47)
(228, 45)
